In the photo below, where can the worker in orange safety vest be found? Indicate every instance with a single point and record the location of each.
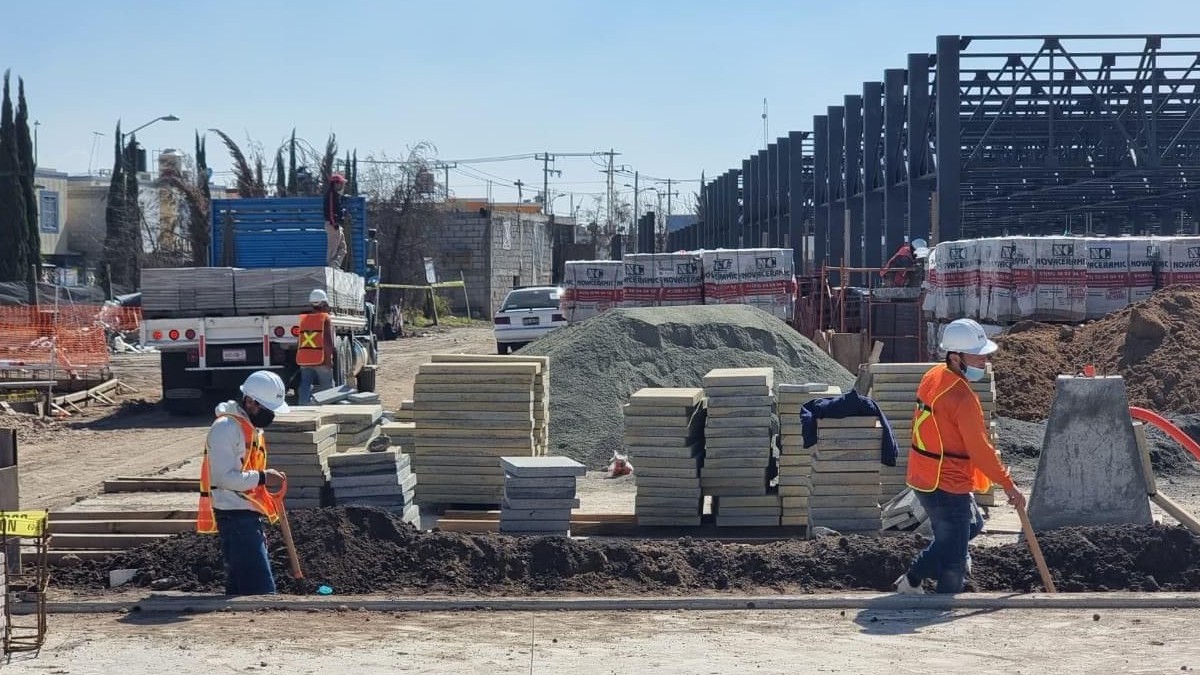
(951, 458)
(234, 483)
(314, 348)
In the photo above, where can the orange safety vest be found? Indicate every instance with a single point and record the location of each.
(258, 496)
(310, 346)
(928, 452)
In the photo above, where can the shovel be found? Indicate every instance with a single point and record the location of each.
(1036, 550)
(290, 544)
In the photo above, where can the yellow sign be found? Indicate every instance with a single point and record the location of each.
(23, 523)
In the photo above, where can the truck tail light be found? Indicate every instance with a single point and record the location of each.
(157, 335)
(501, 320)
(174, 334)
(279, 331)
(189, 334)
(295, 331)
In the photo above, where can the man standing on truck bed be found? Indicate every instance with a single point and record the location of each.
(314, 347)
(335, 235)
(234, 480)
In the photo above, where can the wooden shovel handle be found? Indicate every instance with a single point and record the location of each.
(286, 529)
(1036, 550)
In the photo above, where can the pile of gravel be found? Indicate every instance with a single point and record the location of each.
(597, 364)
(1020, 446)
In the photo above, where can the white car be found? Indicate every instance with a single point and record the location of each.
(526, 315)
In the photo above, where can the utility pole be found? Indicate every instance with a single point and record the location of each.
(520, 252)
(635, 208)
(545, 159)
(609, 208)
(764, 119)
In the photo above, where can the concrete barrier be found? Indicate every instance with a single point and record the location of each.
(1090, 471)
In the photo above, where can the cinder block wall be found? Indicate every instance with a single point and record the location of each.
(522, 253)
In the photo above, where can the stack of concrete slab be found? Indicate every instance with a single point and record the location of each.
(287, 288)
(167, 291)
(845, 475)
(401, 434)
(541, 390)
(357, 424)
(468, 416)
(539, 494)
(894, 389)
(664, 438)
(405, 413)
(299, 443)
(739, 446)
(383, 480)
(795, 461)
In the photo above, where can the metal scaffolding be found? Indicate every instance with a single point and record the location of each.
(987, 135)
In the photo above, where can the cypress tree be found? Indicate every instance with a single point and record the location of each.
(280, 175)
(25, 159)
(201, 236)
(133, 216)
(14, 229)
(115, 262)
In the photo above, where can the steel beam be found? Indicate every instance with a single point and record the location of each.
(820, 252)
(797, 196)
(949, 139)
(917, 109)
(873, 183)
(837, 186)
(894, 170)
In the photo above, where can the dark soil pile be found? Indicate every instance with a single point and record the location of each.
(358, 551)
(596, 364)
(1020, 446)
(1154, 345)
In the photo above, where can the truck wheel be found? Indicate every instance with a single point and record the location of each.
(501, 348)
(184, 407)
(366, 380)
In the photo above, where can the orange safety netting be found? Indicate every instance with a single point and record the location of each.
(68, 337)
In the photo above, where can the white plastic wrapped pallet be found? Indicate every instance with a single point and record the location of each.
(762, 278)
(1061, 279)
(1108, 277)
(662, 279)
(958, 279)
(1142, 259)
(1022, 252)
(992, 277)
(1180, 259)
(591, 287)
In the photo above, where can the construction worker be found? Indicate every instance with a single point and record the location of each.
(335, 236)
(314, 348)
(951, 458)
(234, 480)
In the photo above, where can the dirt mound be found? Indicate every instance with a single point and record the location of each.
(359, 551)
(1154, 345)
(1020, 446)
(596, 364)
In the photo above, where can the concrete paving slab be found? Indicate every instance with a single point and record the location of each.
(672, 492)
(747, 521)
(555, 482)
(747, 390)
(538, 493)
(739, 377)
(667, 396)
(733, 427)
(723, 463)
(535, 467)
(738, 412)
(762, 501)
(643, 453)
(666, 482)
(567, 504)
(822, 489)
(716, 402)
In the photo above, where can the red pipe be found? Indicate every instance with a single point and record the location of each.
(1167, 427)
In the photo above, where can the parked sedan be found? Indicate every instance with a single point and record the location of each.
(525, 315)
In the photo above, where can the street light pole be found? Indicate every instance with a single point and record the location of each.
(164, 118)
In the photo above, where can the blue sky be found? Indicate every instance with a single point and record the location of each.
(674, 86)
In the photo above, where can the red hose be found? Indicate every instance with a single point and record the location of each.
(1167, 427)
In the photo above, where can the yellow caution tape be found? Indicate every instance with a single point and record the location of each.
(23, 523)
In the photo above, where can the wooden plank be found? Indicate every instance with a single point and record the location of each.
(1177, 512)
(1139, 432)
(122, 515)
(162, 526)
(179, 485)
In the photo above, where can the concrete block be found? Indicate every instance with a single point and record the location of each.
(720, 489)
(1090, 471)
(510, 514)
(680, 426)
(829, 455)
(665, 396)
(844, 501)
(644, 500)
(853, 466)
(735, 427)
(636, 439)
(387, 458)
(845, 478)
(753, 473)
(822, 489)
(872, 445)
(641, 453)
(723, 463)
(739, 377)
(786, 460)
(688, 492)
(802, 479)
(538, 493)
(476, 426)
(444, 479)
(810, 388)
(351, 482)
(747, 521)
(786, 491)
(532, 467)
(375, 490)
(762, 501)
(668, 521)
(794, 503)
(652, 411)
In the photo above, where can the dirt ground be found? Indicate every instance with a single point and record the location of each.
(1011, 642)
(69, 460)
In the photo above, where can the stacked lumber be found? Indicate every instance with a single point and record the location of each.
(299, 444)
(541, 390)
(539, 494)
(468, 416)
(894, 389)
(664, 440)
(383, 480)
(400, 434)
(795, 461)
(738, 447)
(845, 475)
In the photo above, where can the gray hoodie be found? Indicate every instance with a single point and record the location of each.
(226, 451)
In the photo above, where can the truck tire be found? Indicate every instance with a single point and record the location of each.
(501, 348)
(183, 391)
(366, 380)
(184, 407)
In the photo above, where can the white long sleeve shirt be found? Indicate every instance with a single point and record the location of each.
(226, 452)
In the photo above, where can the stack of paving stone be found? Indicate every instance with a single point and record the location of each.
(299, 443)
(357, 424)
(541, 390)
(405, 413)
(845, 475)
(738, 447)
(539, 494)
(467, 416)
(383, 480)
(664, 440)
(894, 389)
(400, 434)
(795, 461)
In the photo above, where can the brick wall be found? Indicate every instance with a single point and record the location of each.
(490, 253)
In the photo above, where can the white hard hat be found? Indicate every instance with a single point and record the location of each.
(268, 389)
(317, 296)
(968, 337)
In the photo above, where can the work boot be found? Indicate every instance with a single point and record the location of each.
(968, 564)
(905, 587)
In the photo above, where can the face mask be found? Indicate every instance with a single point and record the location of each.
(261, 419)
(973, 374)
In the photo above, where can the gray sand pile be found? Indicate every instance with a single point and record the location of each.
(597, 364)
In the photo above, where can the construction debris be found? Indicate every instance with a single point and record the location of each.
(664, 439)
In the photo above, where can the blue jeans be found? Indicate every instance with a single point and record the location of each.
(956, 521)
(244, 547)
(323, 377)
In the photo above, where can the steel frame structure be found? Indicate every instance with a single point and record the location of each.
(987, 135)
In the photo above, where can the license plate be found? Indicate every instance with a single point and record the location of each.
(530, 321)
(233, 354)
